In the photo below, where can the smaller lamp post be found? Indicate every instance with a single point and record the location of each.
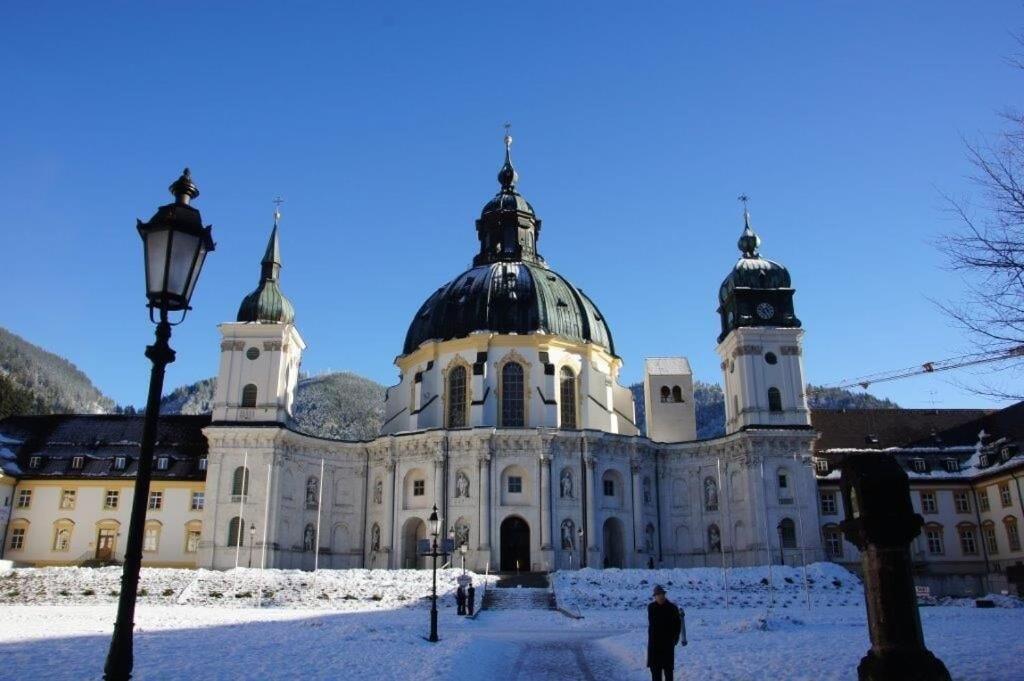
(435, 529)
(462, 551)
(252, 539)
(782, 555)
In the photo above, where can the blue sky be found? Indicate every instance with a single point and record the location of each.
(635, 130)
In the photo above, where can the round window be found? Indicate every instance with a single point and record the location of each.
(252, 353)
(770, 358)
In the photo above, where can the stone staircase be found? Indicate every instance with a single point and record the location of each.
(529, 591)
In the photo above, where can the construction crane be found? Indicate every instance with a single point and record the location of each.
(934, 367)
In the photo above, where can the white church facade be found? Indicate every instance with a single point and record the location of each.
(510, 419)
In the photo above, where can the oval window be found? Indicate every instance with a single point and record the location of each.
(770, 358)
(252, 353)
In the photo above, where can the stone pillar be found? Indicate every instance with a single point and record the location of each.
(484, 486)
(545, 501)
(390, 497)
(639, 536)
(593, 543)
(881, 523)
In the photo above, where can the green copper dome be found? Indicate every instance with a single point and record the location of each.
(267, 305)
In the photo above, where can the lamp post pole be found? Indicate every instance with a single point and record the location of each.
(252, 540)
(782, 554)
(175, 247)
(434, 529)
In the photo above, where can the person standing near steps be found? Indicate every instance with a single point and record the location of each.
(664, 627)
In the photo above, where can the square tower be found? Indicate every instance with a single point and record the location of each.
(668, 399)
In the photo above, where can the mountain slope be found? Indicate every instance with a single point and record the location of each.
(709, 404)
(39, 382)
(338, 405)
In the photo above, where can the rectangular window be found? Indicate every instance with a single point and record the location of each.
(828, 503)
(162, 463)
(515, 484)
(77, 463)
(983, 499)
(67, 499)
(202, 464)
(62, 539)
(1013, 535)
(919, 465)
(111, 498)
(968, 543)
(783, 481)
(1004, 495)
(35, 462)
(962, 502)
(419, 488)
(928, 504)
(989, 532)
(834, 543)
(156, 501)
(192, 541)
(952, 466)
(609, 488)
(119, 463)
(934, 537)
(821, 466)
(17, 538)
(198, 501)
(24, 498)
(151, 538)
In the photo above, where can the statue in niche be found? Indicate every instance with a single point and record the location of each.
(311, 491)
(378, 492)
(309, 538)
(568, 535)
(710, 495)
(461, 534)
(647, 490)
(375, 537)
(565, 485)
(714, 539)
(462, 485)
(649, 538)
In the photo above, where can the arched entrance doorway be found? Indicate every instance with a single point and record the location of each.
(612, 535)
(515, 545)
(413, 530)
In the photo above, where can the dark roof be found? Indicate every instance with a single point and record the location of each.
(267, 304)
(509, 297)
(883, 428)
(57, 439)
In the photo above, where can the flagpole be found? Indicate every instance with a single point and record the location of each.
(722, 492)
(803, 539)
(319, 514)
(767, 542)
(263, 551)
(241, 506)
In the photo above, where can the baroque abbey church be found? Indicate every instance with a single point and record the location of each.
(509, 418)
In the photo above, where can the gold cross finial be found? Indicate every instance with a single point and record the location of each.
(277, 210)
(508, 135)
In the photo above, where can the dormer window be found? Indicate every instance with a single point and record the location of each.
(952, 466)
(1005, 453)
(871, 439)
(983, 460)
(119, 463)
(162, 463)
(821, 466)
(919, 465)
(77, 463)
(35, 462)
(202, 463)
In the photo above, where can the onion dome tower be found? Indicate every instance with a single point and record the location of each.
(260, 351)
(761, 344)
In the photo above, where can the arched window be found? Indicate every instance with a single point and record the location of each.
(240, 482)
(567, 390)
(787, 533)
(513, 407)
(774, 399)
(249, 393)
(1012, 532)
(457, 397)
(235, 534)
(665, 393)
(677, 394)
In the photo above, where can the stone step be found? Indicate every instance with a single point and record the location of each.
(518, 599)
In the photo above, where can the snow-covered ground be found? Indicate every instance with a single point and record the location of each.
(353, 634)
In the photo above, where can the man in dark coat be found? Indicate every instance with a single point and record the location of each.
(664, 625)
(460, 600)
(470, 599)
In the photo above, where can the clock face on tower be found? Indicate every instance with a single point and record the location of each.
(765, 310)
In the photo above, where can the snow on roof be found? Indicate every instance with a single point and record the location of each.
(667, 366)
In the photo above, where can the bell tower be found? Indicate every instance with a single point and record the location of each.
(761, 344)
(261, 351)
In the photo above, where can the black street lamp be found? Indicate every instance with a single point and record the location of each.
(175, 244)
(435, 528)
(252, 541)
